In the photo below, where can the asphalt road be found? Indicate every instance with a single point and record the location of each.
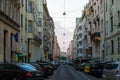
(66, 72)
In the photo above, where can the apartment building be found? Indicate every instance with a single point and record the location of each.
(112, 29)
(9, 30)
(48, 34)
(96, 26)
(56, 50)
(31, 20)
(80, 37)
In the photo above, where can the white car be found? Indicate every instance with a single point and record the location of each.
(111, 71)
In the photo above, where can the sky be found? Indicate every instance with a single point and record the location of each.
(65, 24)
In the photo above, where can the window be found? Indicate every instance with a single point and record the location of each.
(118, 19)
(5, 38)
(26, 5)
(106, 50)
(22, 2)
(118, 45)
(5, 6)
(101, 2)
(106, 6)
(39, 23)
(15, 16)
(112, 47)
(21, 21)
(26, 24)
(30, 7)
(0, 4)
(111, 23)
(30, 26)
(98, 9)
(13, 12)
(112, 2)
(9, 8)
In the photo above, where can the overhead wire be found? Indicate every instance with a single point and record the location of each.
(64, 13)
(67, 11)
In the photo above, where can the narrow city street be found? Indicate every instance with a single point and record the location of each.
(66, 72)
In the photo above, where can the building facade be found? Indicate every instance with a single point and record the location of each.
(80, 38)
(31, 30)
(112, 30)
(9, 30)
(96, 26)
(56, 51)
(48, 33)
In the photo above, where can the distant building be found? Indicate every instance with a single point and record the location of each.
(48, 34)
(69, 53)
(56, 51)
(63, 54)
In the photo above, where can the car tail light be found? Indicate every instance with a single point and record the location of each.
(28, 74)
(44, 69)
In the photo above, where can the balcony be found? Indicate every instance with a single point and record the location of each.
(89, 33)
(95, 37)
(34, 38)
(91, 9)
(97, 17)
(37, 39)
(45, 47)
(30, 16)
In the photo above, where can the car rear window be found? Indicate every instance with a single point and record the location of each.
(28, 67)
(111, 66)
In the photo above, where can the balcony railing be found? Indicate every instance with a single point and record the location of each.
(38, 39)
(95, 37)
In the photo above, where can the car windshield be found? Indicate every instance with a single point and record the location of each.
(100, 65)
(111, 66)
(28, 67)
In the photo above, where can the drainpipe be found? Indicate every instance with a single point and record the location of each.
(104, 30)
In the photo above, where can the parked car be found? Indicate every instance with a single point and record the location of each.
(47, 69)
(38, 67)
(111, 71)
(97, 70)
(19, 71)
(81, 66)
(54, 64)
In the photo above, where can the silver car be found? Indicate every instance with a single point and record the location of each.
(111, 71)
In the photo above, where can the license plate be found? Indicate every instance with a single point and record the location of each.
(99, 70)
(37, 75)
